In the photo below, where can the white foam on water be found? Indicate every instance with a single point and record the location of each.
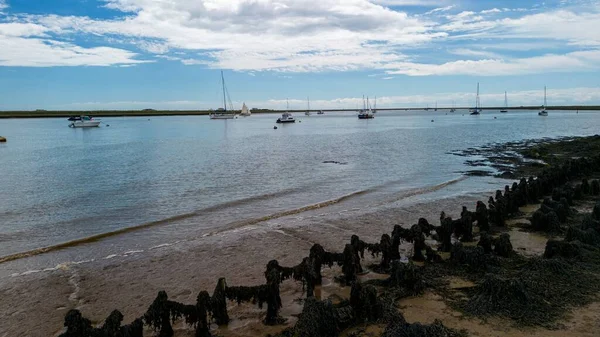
(133, 252)
(111, 256)
(161, 246)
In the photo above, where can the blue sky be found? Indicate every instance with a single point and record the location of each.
(135, 54)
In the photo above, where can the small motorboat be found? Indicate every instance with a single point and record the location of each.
(320, 112)
(286, 118)
(85, 122)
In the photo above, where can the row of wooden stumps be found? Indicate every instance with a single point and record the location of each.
(163, 311)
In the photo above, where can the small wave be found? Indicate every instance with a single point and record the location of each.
(425, 190)
(244, 223)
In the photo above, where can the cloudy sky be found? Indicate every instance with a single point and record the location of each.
(167, 54)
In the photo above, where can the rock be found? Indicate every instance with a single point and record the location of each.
(2, 139)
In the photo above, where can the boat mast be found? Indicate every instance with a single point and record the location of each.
(477, 103)
(308, 100)
(364, 105)
(223, 85)
(505, 100)
(287, 105)
(544, 97)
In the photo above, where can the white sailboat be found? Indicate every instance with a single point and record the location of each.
(307, 113)
(543, 112)
(223, 113)
(505, 103)
(477, 110)
(245, 111)
(453, 107)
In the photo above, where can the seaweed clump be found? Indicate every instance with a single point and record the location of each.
(399, 328)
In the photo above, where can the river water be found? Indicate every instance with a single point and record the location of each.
(188, 176)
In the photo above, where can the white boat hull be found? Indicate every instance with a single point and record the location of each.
(85, 124)
(222, 116)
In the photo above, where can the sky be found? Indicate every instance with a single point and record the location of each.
(168, 54)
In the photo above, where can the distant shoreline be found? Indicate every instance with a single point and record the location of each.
(152, 112)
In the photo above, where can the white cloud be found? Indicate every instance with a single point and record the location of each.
(313, 36)
(274, 35)
(575, 61)
(493, 10)
(3, 4)
(474, 53)
(440, 9)
(32, 52)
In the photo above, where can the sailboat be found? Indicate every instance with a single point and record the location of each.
(245, 112)
(435, 106)
(477, 110)
(307, 113)
(505, 104)
(453, 107)
(366, 112)
(223, 114)
(286, 117)
(543, 112)
(375, 105)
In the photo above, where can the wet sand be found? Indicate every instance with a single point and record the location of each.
(35, 304)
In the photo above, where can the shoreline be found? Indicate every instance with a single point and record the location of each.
(142, 113)
(131, 286)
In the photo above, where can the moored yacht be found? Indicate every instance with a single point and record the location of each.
(223, 113)
(286, 117)
(85, 122)
(543, 112)
(366, 112)
(477, 110)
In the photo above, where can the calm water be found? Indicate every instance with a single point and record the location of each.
(196, 175)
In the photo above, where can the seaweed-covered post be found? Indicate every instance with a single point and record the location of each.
(112, 324)
(316, 257)
(386, 245)
(359, 247)
(502, 245)
(444, 233)
(77, 325)
(202, 309)
(418, 243)
(218, 303)
(482, 217)
(396, 238)
(585, 186)
(158, 316)
(350, 267)
(485, 242)
(273, 277)
(363, 300)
